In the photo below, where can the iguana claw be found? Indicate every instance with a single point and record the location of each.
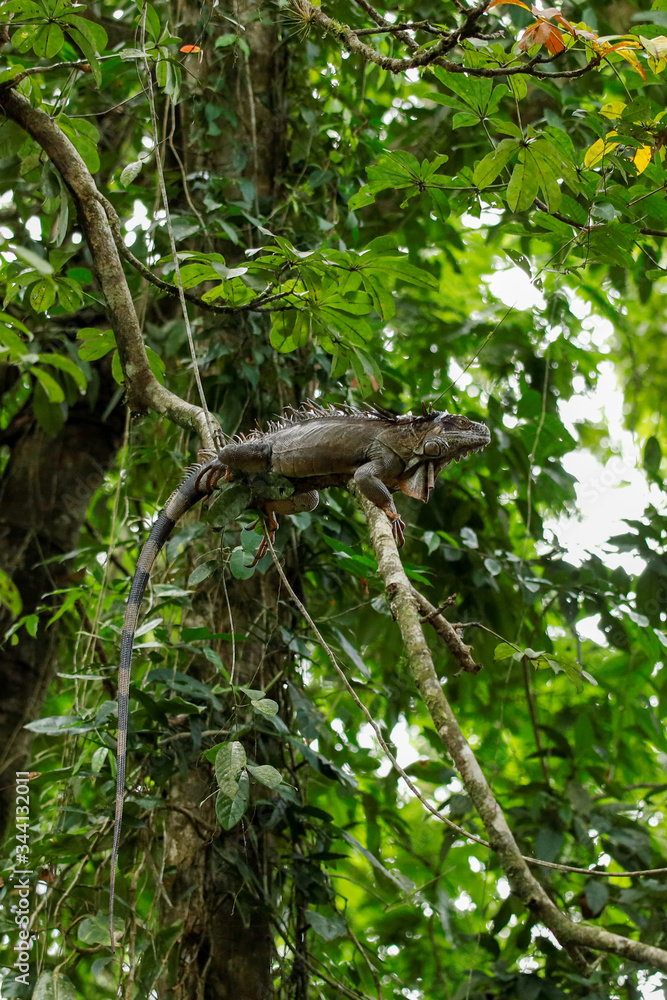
(398, 529)
(272, 527)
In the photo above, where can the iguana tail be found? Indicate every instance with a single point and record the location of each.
(200, 480)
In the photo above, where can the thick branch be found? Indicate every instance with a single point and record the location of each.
(573, 937)
(144, 392)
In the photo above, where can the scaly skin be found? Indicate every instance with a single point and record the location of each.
(314, 447)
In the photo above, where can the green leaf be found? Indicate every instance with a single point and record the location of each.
(9, 595)
(53, 389)
(43, 294)
(16, 348)
(364, 196)
(464, 119)
(230, 809)
(400, 268)
(503, 651)
(70, 296)
(96, 343)
(26, 8)
(265, 706)
(229, 762)
(328, 928)
(266, 775)
(506, 127)
(202, 572)
(50, 416)
(48, 41)
(59, 725)
(94, 930)
(31, 258)
(224, 41)
(75, 129)
(652, 454)
(24, 39)
(59, 229)
(282, 326)
(441, 203)
(67, 365)
(524, 184)
(56, 985)
(156, 364)
(229, 502)
(397, 170)
(153, 23)
(597, 895)
(130, 173)
(473, 91)
(495, 162)
(90, 53)
(92, 31)
(548, 170)
(238, 567)
(116, 369)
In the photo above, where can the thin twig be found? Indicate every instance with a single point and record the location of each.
(532, 711)
(447, 632)
(170, 230)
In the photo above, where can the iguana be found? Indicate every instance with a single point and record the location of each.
(313, 447)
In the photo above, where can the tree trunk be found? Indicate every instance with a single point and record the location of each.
(227, 949)
(44, 495)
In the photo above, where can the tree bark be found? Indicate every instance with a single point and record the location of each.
(44, 495)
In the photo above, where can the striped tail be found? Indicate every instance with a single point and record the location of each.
(199, 482)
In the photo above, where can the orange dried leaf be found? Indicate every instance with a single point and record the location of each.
(516, 3)
(626, 44)
(633, 60)
(542, 33)
(564, 23)
(554, 41)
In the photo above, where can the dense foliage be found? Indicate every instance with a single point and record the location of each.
(349, 225)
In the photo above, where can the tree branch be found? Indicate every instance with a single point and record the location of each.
(447, 633)
(573, 937)
(144, 392)
(384, 25)
(433, 56)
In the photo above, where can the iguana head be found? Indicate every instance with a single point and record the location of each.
(439, 438)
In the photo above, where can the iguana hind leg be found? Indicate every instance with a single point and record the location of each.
(298, 503)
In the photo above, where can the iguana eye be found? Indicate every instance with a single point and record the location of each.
(431, 447)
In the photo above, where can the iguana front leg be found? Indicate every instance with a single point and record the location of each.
(368, 479)
(298, 503)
